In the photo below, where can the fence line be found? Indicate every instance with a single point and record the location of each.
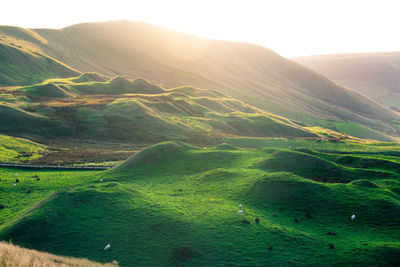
(16, 165)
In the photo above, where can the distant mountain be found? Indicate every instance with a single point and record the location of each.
(376, 75)
(248, 72)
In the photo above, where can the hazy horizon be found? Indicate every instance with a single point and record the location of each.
(289, 28)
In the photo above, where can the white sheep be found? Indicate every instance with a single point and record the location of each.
(14, 184)
(240, 206)
(101, 180)
(353, 217)
(107, 247)
(240, 212)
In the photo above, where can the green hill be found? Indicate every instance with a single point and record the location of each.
(19, 66)
(317, 169)
(264, 168)
(118, 85)
(175, 204)
(125, 110)
(91, 77)
(375, 75)
(248, 72)
(15, 121)
(46, 90)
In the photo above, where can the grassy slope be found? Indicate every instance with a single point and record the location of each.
(14, 120)
(21, 66)
(251, 73)
(11, 255)
(176, 204)
(17, 150)
(46, 90)
(121, 109)
(373, 74)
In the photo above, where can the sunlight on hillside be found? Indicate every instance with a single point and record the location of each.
(15, 256)
(177, 133)
(187, 48)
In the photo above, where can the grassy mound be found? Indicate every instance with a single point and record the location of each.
(120, 82)
(364, 183)
(114, 86)
(287, 189)
(225, 146)
(47, 90)
(370, 163)
(315, 168)
(142, 86)
(132, 120)
(155, 155)
(90, 77)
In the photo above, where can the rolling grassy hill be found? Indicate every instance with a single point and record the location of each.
(268, 134)
(376, 75)
(248, 72)
(125, 110)
(175, 204)
(22, 63)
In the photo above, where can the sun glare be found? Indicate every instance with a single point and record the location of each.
(291, 28)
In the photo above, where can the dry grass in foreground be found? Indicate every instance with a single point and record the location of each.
(14, 256)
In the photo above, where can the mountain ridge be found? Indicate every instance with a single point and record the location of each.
(251, 73)
(373, 74)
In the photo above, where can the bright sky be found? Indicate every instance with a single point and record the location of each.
(289, 27)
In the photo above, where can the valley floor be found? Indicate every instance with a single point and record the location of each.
(174, 204)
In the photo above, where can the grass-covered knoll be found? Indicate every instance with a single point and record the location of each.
(117, 85)
(16, 256)
(16, 150)
(315, 168)
(46, 90)
(92, 84)
(124, 109)
(91, 77)
(175, 204)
